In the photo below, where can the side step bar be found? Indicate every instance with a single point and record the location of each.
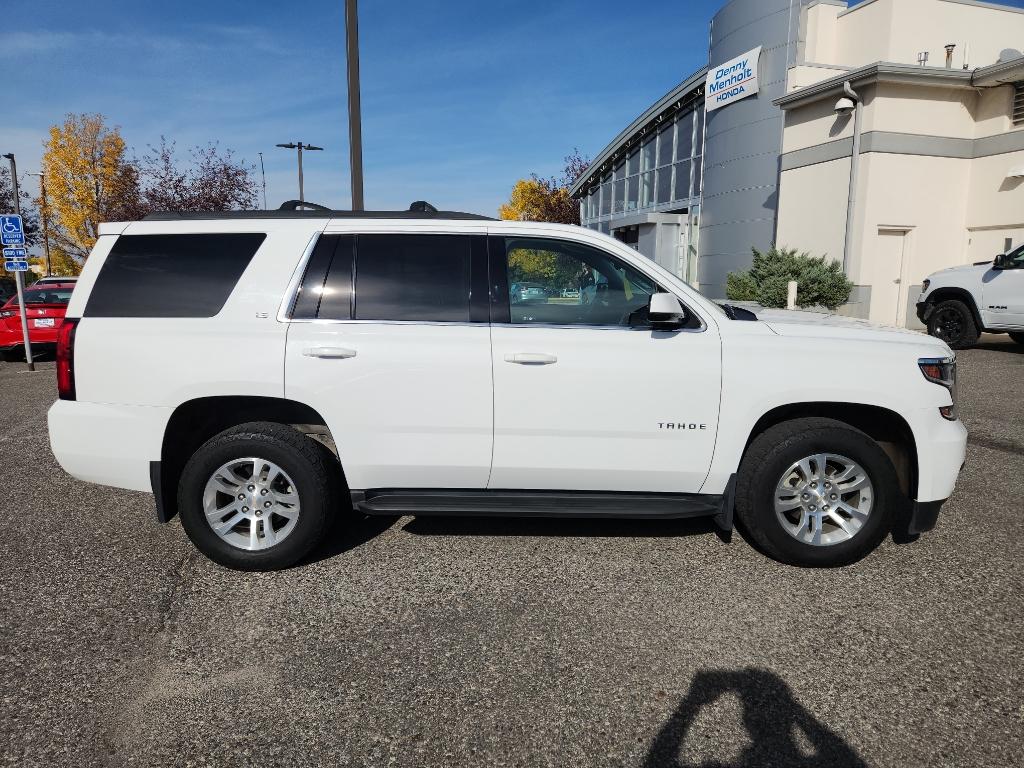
(407, 501)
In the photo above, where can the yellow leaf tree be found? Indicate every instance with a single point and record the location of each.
(537, 199)
(88, 180)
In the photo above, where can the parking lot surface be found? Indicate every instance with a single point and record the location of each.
(451, 642)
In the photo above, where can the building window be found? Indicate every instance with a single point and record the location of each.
(1018, 104)
(647, 152)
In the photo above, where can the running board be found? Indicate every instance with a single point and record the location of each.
(397, 501)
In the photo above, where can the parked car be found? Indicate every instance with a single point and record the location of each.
(278, 380)
(960, 303)
(55, 280)
(45, 306)
(526, 293)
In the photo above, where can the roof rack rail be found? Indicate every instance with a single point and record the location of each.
(300, 209)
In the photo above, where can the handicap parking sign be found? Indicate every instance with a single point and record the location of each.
(11, 232)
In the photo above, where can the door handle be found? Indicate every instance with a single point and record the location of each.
(530, 358)
(330, 353)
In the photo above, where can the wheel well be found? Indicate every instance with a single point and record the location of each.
(196, 421)
(885, 427)
(958, 294)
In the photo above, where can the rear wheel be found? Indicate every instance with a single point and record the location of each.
(1017, 336)
(816, 492)
(953, 322)
(257, 497)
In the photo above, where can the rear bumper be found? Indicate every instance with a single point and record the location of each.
(108, 444)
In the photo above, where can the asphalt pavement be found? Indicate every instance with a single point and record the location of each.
(448, 642)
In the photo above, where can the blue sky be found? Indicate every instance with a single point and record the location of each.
(460, 97)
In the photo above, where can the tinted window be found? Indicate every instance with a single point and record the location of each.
(171, 275)
(563, 283)
(413, 277)
(49, 294)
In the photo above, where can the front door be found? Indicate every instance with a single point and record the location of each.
(1003, 293)
(385, 346)
(586, 396)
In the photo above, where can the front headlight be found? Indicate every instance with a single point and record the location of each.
(942, 371)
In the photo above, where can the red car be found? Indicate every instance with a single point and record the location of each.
(45, 306)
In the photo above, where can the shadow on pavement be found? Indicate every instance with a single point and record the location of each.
(782, 732)
(351, 531)
(565, 527)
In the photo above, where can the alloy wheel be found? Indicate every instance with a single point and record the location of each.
(824, 499)
(251, 503)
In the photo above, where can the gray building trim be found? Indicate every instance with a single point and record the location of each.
(975, 3)
(1001, 73)
(906, 144)
(880, 72)
(687, 90)
(820, 153)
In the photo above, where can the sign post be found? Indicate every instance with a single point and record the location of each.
(13, 233)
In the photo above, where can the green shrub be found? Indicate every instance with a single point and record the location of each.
(820, 281)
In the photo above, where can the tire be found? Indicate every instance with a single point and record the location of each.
(1017, 336)
(301, 491)
(953, 322)
(765, 465)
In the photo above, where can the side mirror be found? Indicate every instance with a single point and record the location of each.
(665, 312)
(1000, 262)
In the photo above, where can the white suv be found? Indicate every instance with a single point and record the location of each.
(262, 372)
(959, 303)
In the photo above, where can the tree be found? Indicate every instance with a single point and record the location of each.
(88, 181)
(820, 281)
(29, 216)
(213, 182)
(539, 199)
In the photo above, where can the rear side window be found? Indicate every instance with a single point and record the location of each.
(413, 277)
(171, 275)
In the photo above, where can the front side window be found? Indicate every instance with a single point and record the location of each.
(1015, 260)
(559, 282)
(422, 278)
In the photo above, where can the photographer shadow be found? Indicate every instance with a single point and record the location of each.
(782, 732)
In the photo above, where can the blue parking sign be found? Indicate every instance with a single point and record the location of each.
(11, 231)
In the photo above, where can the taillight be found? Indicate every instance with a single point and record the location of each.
(66, 359)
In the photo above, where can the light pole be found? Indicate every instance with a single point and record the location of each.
(355, 127)
(46, 230)
(263, 174)
(300, 146)
(19, 277)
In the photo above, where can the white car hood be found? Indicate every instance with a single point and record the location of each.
(786, 322)
(963, 269)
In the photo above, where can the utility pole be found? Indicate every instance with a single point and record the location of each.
(19, 277)
(300, 146)
(355, 127)
(46, 230)
(263, 174)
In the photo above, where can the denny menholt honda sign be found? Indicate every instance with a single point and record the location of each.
(732, 81)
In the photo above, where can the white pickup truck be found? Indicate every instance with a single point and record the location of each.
(263, 372)
(960, 303)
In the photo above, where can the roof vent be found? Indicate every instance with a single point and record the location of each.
(1008, 54)
(422, 206)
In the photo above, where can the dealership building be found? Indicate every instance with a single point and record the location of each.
(887, 135)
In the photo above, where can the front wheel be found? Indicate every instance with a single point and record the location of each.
(816, 492)
(953, 322)
(257, 497)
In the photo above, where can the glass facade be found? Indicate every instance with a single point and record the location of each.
(662, 173)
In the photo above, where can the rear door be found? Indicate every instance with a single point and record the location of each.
(586, 396)
(389, 341)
